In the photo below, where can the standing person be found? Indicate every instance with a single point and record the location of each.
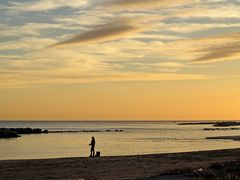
(92, 144)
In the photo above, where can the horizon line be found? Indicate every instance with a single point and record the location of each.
(137, 120)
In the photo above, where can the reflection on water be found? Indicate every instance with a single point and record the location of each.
(136, 138)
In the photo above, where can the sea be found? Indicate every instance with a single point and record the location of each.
(113, 138)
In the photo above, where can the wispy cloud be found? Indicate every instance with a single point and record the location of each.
(105, 32)
(29, 78)
(28, 29)
(227, 49)
(141, 40)
(141, 3)
(44, 5)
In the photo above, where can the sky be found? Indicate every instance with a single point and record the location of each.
(119, 60)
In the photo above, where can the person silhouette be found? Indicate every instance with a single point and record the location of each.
(92, 150)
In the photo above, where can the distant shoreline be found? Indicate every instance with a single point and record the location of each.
(215, 124)
(125, 167)
(234, 138)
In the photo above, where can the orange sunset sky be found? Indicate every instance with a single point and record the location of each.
(120, 60)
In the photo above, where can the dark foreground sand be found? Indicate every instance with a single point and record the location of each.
(158, 166)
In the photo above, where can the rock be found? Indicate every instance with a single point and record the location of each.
(230, 123)
(6, 133)
(45, 131)
(14, 132)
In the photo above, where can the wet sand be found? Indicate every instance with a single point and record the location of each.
(121, 167)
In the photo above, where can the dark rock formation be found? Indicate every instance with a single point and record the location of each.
(28, 130)
(196, 123)
(224, 124)
(235, 138)
(14, 132)
(6, 133)
(220, 129)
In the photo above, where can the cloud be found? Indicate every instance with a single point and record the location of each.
(205, 50)
(186, 27)
(141, 3)
(157, 66)
(106, 32)
(27, 44)
(30, 78)
(44, 5)
(28, 29)
(209, 10)
(221, 53)
(153, 40)
(220, 48)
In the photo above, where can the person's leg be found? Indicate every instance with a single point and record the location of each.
(90, 152)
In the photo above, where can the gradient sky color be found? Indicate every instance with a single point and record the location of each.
(119, 60)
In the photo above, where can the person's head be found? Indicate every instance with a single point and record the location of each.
(93, 137)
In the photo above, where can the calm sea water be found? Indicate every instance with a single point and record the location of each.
(136, 138)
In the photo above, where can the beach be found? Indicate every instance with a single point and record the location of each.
(154, 166)
(119, 90)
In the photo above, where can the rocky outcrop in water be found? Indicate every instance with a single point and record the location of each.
(220, 129)
(15, 132)
(6, 133)
(224, 124)
(234, 138)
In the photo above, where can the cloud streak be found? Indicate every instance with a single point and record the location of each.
(29, 78)
(225, 48)
(45, 5)
(106, 32)
(142, 3)
(226, 52)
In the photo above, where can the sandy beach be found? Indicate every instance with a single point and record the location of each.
(155, 166)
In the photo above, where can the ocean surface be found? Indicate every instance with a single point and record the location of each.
(135, 138)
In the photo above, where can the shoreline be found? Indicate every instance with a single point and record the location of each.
(115, 167)
(128, 156)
